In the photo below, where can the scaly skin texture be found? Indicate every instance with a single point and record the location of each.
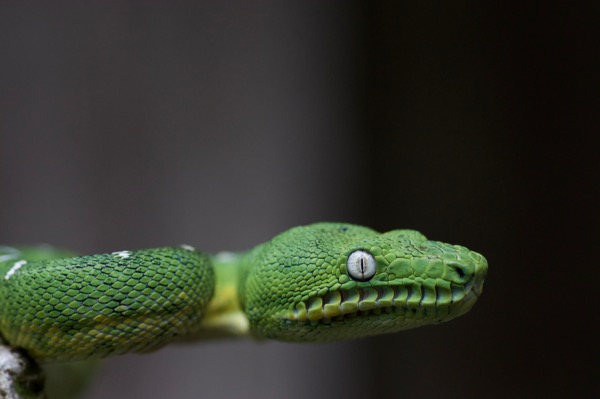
(95, 306)
(296, 287)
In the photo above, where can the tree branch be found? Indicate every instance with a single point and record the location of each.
(20, 376)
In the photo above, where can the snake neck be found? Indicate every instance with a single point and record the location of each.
(224, 317)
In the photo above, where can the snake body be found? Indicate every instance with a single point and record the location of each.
(316, 283)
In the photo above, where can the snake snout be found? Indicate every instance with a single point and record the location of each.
(470, 272)
(481, 267)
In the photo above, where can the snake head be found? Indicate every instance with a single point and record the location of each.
(327, 282)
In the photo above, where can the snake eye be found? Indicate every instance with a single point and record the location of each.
(361, 265)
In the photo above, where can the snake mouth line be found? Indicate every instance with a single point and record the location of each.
(419, 299)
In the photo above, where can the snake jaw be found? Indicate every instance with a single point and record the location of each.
(381, 306)
(425, 298)
(434, 299)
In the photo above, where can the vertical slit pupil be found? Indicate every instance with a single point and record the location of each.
(362, 265)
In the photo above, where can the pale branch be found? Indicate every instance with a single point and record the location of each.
(20, 376)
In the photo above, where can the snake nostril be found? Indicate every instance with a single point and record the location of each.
(461, 272)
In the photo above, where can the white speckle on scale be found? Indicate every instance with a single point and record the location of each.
(187, 247)
(122, 254)
(14, 269)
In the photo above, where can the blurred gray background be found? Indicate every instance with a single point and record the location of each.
(219, 125)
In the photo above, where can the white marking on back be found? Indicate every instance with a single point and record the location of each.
(14, 269)
(187, 247)
(122, 254)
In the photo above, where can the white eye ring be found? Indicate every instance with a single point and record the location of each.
(361, 265)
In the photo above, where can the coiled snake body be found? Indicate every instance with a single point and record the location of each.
(322, 282)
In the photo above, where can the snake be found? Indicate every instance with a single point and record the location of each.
(321, 282)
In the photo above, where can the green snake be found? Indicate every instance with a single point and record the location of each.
(317, 283)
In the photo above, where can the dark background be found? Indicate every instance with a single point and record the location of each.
(219, 125)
